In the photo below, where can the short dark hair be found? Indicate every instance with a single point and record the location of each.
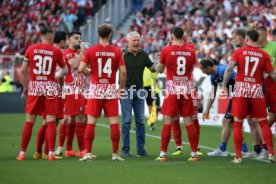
(207, 62)
(273, 32)
(74, 32)
(239, 32)
(46, 31)
(104, 30)
(177, 32)
(59, 36)
(261, 28)
(253, 35)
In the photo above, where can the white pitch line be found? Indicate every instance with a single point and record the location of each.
(185, 143)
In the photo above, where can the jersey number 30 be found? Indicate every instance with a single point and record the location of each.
(43, 65)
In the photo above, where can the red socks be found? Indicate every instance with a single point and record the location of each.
(80, 130)
(165, 137)
(51, 135)
(89, 137)
(26, 135)
(115, 137)
(62, 134)
(177, 134)
(267, 136)
(192, 136)
(46, 149)
(40, 138)
(197, 129)
(70, 130)
(238, 138)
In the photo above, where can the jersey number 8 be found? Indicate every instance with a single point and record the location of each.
(181, 65)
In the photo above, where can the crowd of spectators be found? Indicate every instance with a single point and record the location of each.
(21, 21)
(208, 24)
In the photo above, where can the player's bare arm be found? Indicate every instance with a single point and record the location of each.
(61, 73)
(210, 102)
(123, 76)
(84, 69)
(227, 74)
(161, 68)
(24, 70)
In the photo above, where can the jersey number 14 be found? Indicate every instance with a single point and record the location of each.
(106, 69)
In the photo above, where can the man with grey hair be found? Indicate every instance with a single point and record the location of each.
(135, 60)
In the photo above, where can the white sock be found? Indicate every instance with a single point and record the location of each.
(22, 153)
(162, 153)
(179, 147)
(193, 154)
(51, 153)
(60, 148)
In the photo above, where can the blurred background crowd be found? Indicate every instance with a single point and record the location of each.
(208, 24)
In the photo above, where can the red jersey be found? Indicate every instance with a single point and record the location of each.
(75, 82)
(179, 63)
(251, 63)
(43, 59)
(104, 61)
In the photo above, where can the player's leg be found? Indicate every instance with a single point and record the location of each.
(62, 135)
(80, 123)
(177, 135)
(187, 111)
(253, 124)
(165, 137)
(259, 111)
(93, 110)
(33, 106)
(89, 137)
(170, 109)
(26, 135)
(40, 139)
(111, 112)
(51, 135)
(239, 111)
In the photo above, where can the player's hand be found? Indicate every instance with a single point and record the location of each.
(83, 45)
(224, 91)
(120, 92)
(205, 115)
(25, 92)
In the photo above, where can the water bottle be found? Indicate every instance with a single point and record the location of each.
(87, 45)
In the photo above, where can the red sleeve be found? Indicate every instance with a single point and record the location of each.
(234, 57)
(162, 56)
(68, 56)
(120, 56)
(60, 59)
(85, 57)
(268, 64)
(26, 56)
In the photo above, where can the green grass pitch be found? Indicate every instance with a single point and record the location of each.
(134, 169)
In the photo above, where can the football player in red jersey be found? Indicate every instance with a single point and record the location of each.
(59, 42)
(179, 62)
(104, 60)
(74, 84)
(41, 92)
(248, 97)
(176, 128)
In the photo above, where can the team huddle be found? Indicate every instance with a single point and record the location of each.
(84, 83)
